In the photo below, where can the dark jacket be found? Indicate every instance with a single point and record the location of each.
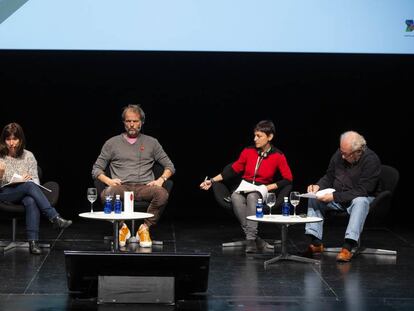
(360, 179)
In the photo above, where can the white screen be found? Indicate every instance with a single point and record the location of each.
(327, 26)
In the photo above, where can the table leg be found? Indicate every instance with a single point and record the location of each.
(115, 244)
(284, 240)
(285, 255)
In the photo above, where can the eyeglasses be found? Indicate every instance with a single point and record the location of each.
(350, 154)
(133, 121)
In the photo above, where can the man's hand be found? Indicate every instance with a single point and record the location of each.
(326, 198)
(157, 182)
(313, 188)
(114, 182)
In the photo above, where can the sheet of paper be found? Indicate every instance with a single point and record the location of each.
(311, 195)
(249, 187)
(17, 179)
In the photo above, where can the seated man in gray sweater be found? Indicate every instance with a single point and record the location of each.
(131, 156)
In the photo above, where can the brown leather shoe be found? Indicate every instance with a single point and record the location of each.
(344, 255)
(313, 249)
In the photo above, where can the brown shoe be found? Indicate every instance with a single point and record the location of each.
(344, 255)
(313, 249)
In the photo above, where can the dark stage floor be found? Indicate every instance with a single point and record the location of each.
(236, 281)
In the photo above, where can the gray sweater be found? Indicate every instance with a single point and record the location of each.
(131, 163)
(26, 164)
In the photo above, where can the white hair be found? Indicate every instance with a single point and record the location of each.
(358, 141)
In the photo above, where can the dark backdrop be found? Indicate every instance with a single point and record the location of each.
(202, 108)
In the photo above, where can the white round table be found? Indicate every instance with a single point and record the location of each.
(285, 222)
(115, 219)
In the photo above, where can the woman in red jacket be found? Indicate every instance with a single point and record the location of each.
(258, 165)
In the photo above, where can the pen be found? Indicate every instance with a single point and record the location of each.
(205, 179)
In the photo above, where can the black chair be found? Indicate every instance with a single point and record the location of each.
(378, 210)
(139, 205)
(222, 193)
(14, 212)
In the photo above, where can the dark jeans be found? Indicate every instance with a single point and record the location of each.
(34, 201)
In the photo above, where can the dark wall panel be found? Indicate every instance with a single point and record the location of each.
(202, 108)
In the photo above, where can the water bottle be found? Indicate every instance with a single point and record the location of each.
(108, 205)
(118, 204)
(285, 207)
(259, 208)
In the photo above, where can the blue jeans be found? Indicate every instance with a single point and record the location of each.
(245, 205)
(34, 201)
(358, 211)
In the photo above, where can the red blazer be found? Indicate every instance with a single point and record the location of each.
(267, 166)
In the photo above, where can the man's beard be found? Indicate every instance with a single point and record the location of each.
(132, 133)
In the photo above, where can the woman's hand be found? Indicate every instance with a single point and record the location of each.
(206, 184)
(2, 168)
(27, 177)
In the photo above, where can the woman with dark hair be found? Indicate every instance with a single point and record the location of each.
(258, 165)
(16, 160)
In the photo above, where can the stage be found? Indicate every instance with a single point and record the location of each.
(236, 281)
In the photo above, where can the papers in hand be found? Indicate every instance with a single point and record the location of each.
(249, 187)
(17, 179)
(320, 193)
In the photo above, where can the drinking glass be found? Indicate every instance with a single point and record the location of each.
(92, 195)
(294, 200)
(271, 201)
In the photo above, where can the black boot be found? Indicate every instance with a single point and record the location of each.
(60, 223)
(251, 246)
(34, 248)
(262, 244)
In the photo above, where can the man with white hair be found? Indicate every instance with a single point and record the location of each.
(353, 172)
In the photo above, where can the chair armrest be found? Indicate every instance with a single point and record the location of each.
(52, 196)
(11, 208)
(221, 191)
(281, 193)
(168, 185)
(379, 208)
